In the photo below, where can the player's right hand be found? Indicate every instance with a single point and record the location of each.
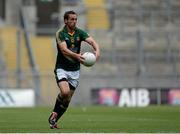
(80, 58)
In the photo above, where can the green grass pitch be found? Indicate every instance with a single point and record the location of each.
(93, 120)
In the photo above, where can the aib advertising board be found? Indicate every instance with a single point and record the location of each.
(135, 97)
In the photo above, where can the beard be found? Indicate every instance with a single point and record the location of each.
(72, 26)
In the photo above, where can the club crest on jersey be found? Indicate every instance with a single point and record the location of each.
(72, 40)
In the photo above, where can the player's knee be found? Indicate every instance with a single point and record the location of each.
(65, 94)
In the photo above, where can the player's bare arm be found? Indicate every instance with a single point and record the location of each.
(95, 45)
(69, 53)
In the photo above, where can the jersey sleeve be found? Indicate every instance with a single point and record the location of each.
(60, 37)
(84, 35)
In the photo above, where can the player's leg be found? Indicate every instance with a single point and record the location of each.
(67, 88)
(62, 102)
(61, 77)
(61, 112)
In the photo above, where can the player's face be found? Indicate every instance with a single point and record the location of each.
(72, 20)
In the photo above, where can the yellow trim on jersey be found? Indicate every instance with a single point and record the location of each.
(71, 33)
(57, 36)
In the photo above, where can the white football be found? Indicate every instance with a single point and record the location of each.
(89, 59)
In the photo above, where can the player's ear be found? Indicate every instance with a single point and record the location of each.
(65, 21)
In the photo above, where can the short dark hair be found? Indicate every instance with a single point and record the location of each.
(67, 13)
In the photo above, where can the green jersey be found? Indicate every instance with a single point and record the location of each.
(73, 42)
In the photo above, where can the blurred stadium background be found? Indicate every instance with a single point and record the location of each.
(139, 41)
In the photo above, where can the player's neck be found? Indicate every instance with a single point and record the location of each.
(70, 30)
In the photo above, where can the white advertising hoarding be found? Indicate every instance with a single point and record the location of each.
(17, 98)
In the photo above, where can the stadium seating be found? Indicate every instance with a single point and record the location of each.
(97, 15)
(45, 55)
(42, 48)
(44, 52)
(175, 4)
(9, 39)
(159, 36)
(139, 41)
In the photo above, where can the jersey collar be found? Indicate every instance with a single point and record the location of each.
(65, 30)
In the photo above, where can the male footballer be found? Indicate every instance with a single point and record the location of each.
(67, 68)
